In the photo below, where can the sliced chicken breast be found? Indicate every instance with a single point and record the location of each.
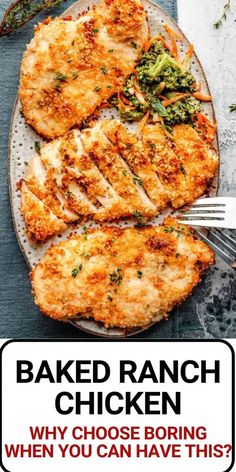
(106, 172)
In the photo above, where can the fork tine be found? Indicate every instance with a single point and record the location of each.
(223, 243)
(205, 215)
(211, 201)
(227, 237)
(220, 223)
(207, 208)
(228, 259)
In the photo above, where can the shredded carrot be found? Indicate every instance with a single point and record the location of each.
(173, 36)
(178, 97)
(158, 37)
(200, 119)
(207, 126)
(125, 100)
(143, 122)
(104, 105)
(125, 103)
(203, 98)
(186, 61)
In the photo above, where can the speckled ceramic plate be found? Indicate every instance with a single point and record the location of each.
(21, 148)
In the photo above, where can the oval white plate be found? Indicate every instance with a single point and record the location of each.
(21, 149)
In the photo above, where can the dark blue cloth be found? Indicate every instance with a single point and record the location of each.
(19, 317)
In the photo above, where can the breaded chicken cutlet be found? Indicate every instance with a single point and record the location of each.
(121, 277)
(107, 172)
(71, 67)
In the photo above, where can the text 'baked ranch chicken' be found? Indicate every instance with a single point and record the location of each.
(122, 277)
(72, 66)
(107, 172)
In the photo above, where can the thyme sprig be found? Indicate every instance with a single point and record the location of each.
(22, 11)
(219, 22)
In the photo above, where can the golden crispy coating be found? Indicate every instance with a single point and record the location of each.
(71, 67)
(137, 155)
(41, 223)
(121, 277)
(199, 164)
(106, 172)
(185, 164)
(43, 187)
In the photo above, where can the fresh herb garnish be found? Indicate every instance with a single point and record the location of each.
(168, 229)
(86, 255)
(232, 107)
(182, 169)
(139, 217)
(109, 86)
(95, 30)
(219, 22)
(37, 147)
(104, 70)
(137, 180)
(134, 45)
(109, 297)
(152, 145)
(76, 270)
(140, 274)
(75, 75)
(22, 11)
(110, 50)
(97, 89)
(58, 87)
(84, 229)
(116, 276)
(124, 172)
(61, 77)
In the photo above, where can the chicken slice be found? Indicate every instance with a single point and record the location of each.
(199, 164)
(46, 190)
(120, 277)
(71, 67)
(52, 155)
(41, 223)
(166, 162)
(137, 157)
(79, 165)
(117, 171)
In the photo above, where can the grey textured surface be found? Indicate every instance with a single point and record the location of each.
(210, 312)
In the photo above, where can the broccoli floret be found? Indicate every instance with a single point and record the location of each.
(166, 69)
(157, 107)
(150, 57)
(132, 115)
(182, 111)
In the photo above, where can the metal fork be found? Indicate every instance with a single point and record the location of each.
(218, 213)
